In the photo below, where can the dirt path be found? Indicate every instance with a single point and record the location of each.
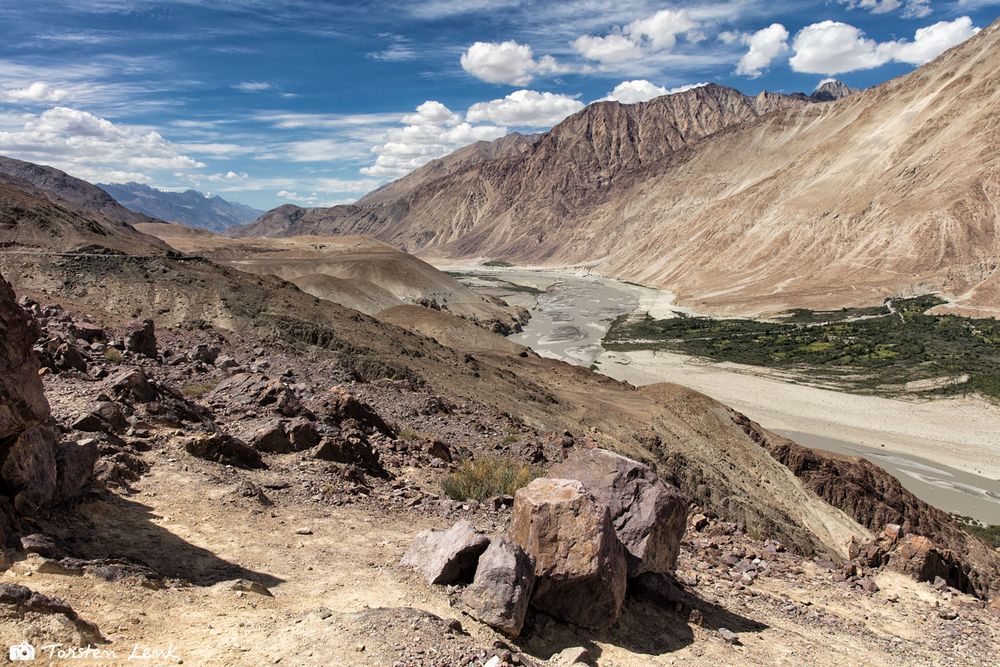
(186, 521)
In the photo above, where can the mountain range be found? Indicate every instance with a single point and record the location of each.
(189, 207)
(736, 204)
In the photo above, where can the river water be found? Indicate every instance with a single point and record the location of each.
(571, 314)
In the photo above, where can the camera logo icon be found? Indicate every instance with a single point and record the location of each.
(22, 651)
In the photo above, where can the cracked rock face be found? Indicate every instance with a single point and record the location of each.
(649, 515)
(35, 467)
(579, 560)
(22, 399)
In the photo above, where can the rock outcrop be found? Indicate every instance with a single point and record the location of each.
(579, 560)
(649, 516)
(36, 467)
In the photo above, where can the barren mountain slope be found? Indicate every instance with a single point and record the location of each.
(59, 187)
(712, 456)
(354, 271)
(32, 220)
(894, 189)
(567, 170)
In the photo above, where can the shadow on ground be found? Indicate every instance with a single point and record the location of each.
(645, 628)
(115, 527)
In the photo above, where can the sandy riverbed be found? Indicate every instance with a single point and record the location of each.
(947, 451)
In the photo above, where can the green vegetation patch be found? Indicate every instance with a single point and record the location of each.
(482, 478)
(868, 350)
(497, 263)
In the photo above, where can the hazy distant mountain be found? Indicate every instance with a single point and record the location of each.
(190, 207)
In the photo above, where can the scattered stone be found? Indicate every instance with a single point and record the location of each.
(579, 561)
(449, 556)
(729, 636)
(574, 655)
(245, 586)
(43, 545)
(500, 593)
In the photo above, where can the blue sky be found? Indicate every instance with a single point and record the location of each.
(314, 103)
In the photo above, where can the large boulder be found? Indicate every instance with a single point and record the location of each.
(447, 556)
(224, 448)
(501, 591)
(343, 406)
(271, 438)
(36, 469)
(649, 515)
(140, 337)
(913, 555)
(29, 468)
(253, 390)
(579, 560)
(22, 398)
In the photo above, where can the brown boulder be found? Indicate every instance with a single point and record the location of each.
(132, 384)
(579, 560)
(918, 557)
(29, 468)
(140, 338)
(447, 556)
(225, 449)
(271, 438)
(302, 433)
(22, 399)
(343, 406)
(649, 515)
(501, 591)
(253, 390)
(352, 449)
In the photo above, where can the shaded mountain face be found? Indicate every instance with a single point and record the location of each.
(736, 204)
(58, 186)
(190, 207)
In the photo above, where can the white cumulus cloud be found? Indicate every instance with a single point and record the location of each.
(93, 148)
(654, 34)
(39, 91)
(641, 90)
(765, 45)
(662, 28)
(831, 47)
(525, 108)
(609, 49)
(431, 132)
(506, 62)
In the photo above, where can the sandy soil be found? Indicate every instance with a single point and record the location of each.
(963, 433)
(184, 520)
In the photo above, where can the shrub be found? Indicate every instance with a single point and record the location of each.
(113, 355)
(479, 479)
(196, 389)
